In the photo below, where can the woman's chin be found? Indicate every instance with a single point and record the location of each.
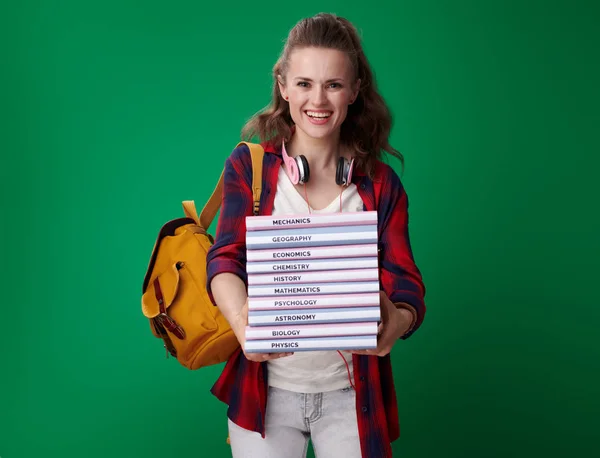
(318, 131)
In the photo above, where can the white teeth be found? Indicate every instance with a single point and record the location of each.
(312, 114)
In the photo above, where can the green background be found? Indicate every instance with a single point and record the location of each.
(114, 112)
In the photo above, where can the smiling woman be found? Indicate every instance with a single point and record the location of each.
(323, 133)
(323, 72)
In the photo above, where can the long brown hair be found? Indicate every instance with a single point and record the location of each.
(367, 126)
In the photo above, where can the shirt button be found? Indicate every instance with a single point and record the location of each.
(362, 378)
(363, 186)
(364, 408)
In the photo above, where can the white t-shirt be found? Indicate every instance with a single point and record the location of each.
(314, 371)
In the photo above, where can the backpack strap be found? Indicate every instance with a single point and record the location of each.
(189, 208)
(257, 152)
(214, 202)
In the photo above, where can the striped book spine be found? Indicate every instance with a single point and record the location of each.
(310, 330)
(311, 237)
(258, 223)
(325, 301)
(259, 267)
(365, 342)
(315, 277)
(305, 254)
(317, 316)
(308, 289)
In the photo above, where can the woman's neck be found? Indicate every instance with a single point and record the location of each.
(320, 153)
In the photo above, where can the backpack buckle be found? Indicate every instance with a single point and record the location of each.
(171, 325)
(165, 320)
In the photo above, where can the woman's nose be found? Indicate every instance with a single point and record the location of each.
(319, 96)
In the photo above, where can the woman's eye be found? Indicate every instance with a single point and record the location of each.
(303, 84)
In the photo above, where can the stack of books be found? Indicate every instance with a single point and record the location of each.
(313, 282)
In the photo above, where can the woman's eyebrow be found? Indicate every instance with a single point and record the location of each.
(330, 80)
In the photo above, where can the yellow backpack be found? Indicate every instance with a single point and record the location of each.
(174, 296)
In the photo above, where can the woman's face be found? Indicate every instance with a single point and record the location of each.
(319, 86)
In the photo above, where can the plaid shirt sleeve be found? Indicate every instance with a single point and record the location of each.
(242, 384)
(228, 254)
(400, 277)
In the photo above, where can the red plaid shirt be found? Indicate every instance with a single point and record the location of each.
(243, 384)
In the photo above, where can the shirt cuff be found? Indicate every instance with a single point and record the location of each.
(412, 310)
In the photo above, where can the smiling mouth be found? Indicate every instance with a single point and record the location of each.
(318, 114)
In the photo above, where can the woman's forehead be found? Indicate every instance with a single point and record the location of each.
(319, 63)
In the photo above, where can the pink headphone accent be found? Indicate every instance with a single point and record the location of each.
(291, 167)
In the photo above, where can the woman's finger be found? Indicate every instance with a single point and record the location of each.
(261, 357)
(364, 352)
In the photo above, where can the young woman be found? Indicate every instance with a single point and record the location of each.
(325, 106)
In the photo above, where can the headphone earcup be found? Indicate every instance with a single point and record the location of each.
(303, 169)
(340, 175)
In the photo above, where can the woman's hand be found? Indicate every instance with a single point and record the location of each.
(230, 295)
(395, 322)
(240, 332)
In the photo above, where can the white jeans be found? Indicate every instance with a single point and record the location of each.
(328, 418)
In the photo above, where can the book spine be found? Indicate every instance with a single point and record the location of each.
(303, 254)
(307, 289)
(341, 315)
(297, 238)
(315, 277)
(310, 330)
(257, 267)
(314, 302)
(312, 344)
(256, 223)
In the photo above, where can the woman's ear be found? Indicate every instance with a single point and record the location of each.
(355, 92)
(282, 88)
